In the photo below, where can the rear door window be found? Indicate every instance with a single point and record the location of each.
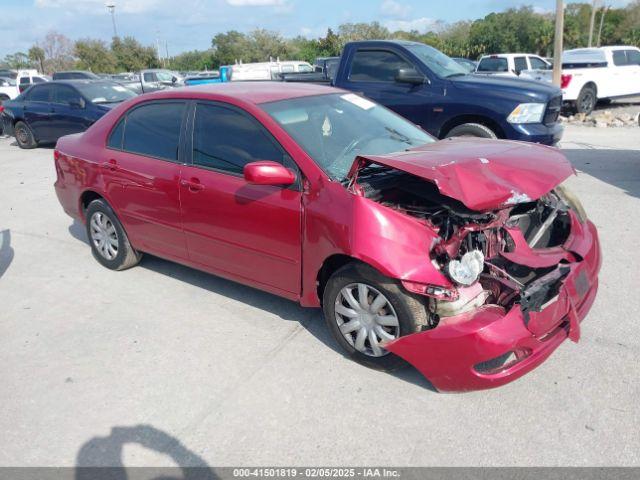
(225, 139)
(376, 66)
(39, 93)
(520, 64)
(493, 64)
(153, 130)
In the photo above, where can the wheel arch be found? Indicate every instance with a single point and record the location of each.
(470, 118)
(330, 265)
(86, 198)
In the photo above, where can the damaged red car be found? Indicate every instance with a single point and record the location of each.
(466, 258)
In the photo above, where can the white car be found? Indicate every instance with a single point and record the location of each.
(511, 64)
(593, 74)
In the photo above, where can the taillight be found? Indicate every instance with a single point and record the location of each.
(565, 80)
(56, 155)
(1, 108)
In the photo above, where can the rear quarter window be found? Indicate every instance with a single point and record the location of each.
(490, 64)
(116, 136)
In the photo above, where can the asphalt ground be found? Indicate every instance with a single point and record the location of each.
(165, 365)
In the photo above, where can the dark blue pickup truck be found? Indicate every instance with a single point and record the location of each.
(433, 91)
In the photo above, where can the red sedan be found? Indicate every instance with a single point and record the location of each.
(466, 258)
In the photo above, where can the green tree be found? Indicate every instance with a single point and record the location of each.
(37, 56)
(17, 60)
(94, 55)
(229, 47)
(349, 32)
(194, 60)
(131, 56)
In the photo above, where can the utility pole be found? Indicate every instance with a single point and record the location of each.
(166, 51)
(111, 6)
(557, 44)
(594, 8)
(604, 12)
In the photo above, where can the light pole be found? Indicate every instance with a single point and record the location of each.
(557, 44)
(111, 6)
(594, 8)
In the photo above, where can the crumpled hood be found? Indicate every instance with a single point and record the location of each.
(483, 174)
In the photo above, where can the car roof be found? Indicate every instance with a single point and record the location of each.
(81, 81)
(252, 92)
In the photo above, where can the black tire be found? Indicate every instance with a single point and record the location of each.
(471, 130)
(410, 310)
(586, 101)
(24, 136)
(125, 256)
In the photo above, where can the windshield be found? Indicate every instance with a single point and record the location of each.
(335, 129)
(103, 92)
(437, 61)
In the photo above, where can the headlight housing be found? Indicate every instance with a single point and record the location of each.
(527, 113)
(467, 270)
(568, 197)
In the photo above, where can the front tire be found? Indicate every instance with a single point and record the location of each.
(24, 136)
(108, 240)
(364, 309)
(471, 130)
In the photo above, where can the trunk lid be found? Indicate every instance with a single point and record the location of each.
(482, 174)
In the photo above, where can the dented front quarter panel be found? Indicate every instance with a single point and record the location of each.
(339, 222)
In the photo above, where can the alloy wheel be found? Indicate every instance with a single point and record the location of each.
(104, 235)
(366, 319)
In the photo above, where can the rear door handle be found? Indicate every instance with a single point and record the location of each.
(110, 165)
(194, 184)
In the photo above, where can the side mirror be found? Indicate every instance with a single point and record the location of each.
(516, 72)
(174, 79)
(264, 172)
(77, 103)
(410, 76)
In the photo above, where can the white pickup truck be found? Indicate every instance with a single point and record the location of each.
(592, 74)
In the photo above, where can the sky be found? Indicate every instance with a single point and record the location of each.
(190, 24)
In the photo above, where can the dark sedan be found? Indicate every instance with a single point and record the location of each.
(48, 111)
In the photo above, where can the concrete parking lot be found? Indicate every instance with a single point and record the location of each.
(164, 365)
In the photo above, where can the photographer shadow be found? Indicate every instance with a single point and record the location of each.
(101, 458)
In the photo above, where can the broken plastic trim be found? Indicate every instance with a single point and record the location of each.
(539, 293)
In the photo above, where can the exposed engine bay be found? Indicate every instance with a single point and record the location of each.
(490, 256)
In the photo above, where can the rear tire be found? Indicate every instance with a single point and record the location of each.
(109, 242)
(409, 312)
(586, 101)
(471, 130)
(24, 136)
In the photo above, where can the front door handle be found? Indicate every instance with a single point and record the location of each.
(194, 185)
